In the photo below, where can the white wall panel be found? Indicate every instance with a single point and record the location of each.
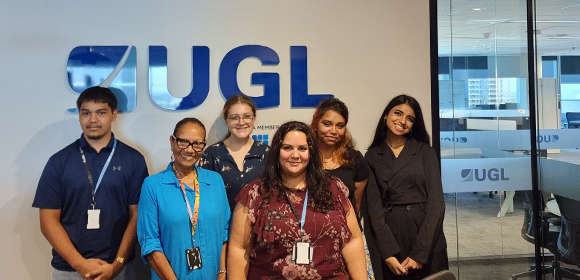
(363, 52)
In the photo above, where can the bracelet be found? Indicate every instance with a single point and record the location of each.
(222, 271)
(121, 261)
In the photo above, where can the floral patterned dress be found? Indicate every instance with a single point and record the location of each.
(217, 158)
(276, 229)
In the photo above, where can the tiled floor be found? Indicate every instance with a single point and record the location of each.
(480, 233)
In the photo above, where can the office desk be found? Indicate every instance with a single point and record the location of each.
(561, 178)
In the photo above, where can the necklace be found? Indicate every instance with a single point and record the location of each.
(182, 178)
(329, 164)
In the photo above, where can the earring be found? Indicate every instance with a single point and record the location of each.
(172, 157)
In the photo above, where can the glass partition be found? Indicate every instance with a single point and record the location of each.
(558, 107)
(485, 136)
(491, 223)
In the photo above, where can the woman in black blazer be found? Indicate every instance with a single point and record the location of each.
(405, 195)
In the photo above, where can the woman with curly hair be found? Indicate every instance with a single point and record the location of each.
(295, 221)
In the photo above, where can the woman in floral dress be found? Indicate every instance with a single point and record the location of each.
(295, 221)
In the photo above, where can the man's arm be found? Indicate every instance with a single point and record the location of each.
(110, 270)
(58, 238)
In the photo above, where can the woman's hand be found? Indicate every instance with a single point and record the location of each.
(396, 267)
(409, 263)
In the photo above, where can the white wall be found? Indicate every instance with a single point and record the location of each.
(363, 52)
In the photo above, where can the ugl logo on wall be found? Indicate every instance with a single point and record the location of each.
(115, 67)
(493, 174)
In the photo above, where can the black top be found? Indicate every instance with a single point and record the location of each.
(217, 158)
(413, 177)
(356, 172)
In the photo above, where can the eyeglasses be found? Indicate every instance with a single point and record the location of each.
(236, 118)
(184, 144)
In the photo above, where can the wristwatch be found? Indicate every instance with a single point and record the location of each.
(121, 261)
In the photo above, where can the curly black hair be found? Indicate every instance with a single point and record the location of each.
(317, 181)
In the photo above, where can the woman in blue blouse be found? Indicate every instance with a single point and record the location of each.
(183, 218)
(238, 158)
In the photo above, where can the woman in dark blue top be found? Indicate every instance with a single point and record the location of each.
(238, 158)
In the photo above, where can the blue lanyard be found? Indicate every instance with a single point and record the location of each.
(93, 187)
(303, 209)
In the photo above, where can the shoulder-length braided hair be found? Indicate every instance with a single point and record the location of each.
(317, 181)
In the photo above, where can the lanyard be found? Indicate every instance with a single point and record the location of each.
(296, 213)
(192, 217)
(93, 187)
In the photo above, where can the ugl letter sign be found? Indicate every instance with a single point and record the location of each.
(115, 67)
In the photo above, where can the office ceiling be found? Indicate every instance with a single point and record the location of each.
(484, 28)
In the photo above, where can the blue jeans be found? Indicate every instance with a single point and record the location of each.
(128, 273)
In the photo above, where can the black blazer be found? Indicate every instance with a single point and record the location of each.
(413, 177)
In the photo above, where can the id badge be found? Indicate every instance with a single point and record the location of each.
(302, 253)
(193, 257)
(93, 220)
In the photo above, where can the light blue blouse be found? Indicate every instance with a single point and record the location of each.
(163, 223)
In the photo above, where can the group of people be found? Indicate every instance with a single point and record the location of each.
(310, 206)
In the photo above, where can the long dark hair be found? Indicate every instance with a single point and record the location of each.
(343, 154)
(317, 181)
(233, 100)
(419, 132)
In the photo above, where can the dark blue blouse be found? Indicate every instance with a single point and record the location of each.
(217, 158)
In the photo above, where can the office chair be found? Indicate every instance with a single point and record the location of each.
(550, 239)
(441, 275)
(568, 241)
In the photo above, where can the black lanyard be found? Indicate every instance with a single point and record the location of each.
(93, 188)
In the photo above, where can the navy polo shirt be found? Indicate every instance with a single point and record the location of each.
(64, 185)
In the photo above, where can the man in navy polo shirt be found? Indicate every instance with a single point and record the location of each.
(88, 195)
